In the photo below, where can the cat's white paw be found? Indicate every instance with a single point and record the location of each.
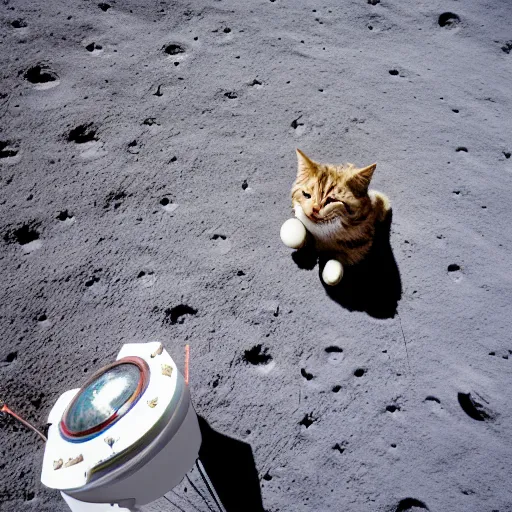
(332, 272)
(293, 233)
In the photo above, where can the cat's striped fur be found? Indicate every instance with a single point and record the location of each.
(336, 207)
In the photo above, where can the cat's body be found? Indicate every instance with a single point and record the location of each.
(336, 207)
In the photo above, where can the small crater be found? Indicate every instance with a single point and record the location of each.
(104, 6)
(431, 398)
(177, 314)
(374, 2)
(359, 372)
(150, 121)
(64, 216)
(453, 267)
(306, 375)
(115, 197)
(40, 74)
(336, 389)
(333, 349)
(174, 49)
(338, 448)
(240, 273)
(141, 274)
(232, 95)
(257, 356)
(295, 123)
(19, 23)
(93, 47)
(82, 133)
(134, 147)
(507, 47)
(392, 408)
(255, 82)
(462, 148)
(91, 281)
(164, 201)
(308, 420)
(456, 110)
(227, 30)
(11, 357)
(245, 185)
(448, 20)
(472, 408)
(24, 235)
(42, 318)
(409, 504)
(506, 154)
(217, 236)
(393, 72)
(6, 149)
(267, 477)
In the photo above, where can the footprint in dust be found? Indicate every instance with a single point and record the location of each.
(221, 245)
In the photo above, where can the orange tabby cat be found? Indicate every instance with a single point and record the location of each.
(336, 207)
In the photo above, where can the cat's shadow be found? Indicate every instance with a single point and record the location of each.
(373, 286)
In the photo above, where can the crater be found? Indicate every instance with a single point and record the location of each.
(462, 148)
(104, 6)
(472, 408)
(308, 420)
(82, 133)
(11, 357)
(257, 356)
(359, 372)
(431, 398)
(232, 95)
(306, 374)
(453, 267)
(7, 149)
(448, 20)
(174, 49)
(333, 349)
(19, 23)
(507, 47)
(40, 74)
(64, 216)
(177, 314)
(93, 47)
(410, 504)
(393, 72)
(23, 235)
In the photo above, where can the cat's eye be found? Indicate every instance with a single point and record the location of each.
(306, 195)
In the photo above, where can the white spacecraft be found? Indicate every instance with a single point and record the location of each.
(126, 437)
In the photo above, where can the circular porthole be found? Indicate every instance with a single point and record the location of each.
(105, 398)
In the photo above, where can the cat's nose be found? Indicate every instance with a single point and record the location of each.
(316, 208)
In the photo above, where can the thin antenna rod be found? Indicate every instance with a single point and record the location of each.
(187, 362)
(21, 420)
(209, 485)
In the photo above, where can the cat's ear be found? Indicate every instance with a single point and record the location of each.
(360, 180)
(306, 166)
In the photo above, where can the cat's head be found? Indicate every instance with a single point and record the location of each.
(327, 192)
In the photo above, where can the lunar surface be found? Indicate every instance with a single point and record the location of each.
(147, 151)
